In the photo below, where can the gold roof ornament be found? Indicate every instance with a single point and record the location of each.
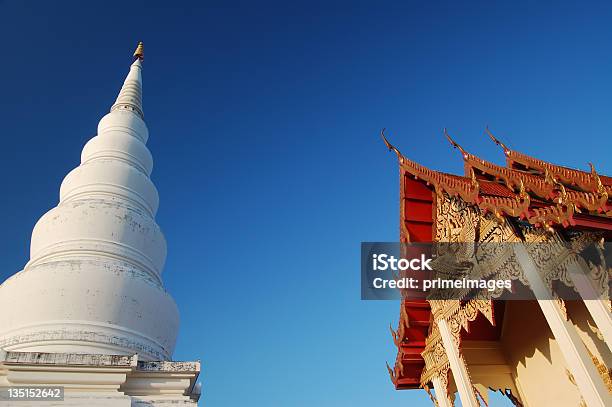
(391, 147)
(496, 141)
(455, 144)
(139, 53)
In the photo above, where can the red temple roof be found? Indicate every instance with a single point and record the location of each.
(587, 181)
(546, 196)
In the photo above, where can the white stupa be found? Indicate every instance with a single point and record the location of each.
(93, 283)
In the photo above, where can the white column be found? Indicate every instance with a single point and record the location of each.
(578, 362)
(598, 308)
(441, 393)
(457, 365)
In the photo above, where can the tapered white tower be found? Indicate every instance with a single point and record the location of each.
(93, 283)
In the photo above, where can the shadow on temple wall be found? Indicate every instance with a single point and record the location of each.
(525, 330)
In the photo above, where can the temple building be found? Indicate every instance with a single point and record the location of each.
(89, 311)
(545, 351)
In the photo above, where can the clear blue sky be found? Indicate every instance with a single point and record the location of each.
(264, 121)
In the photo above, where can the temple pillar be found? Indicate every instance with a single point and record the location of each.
(578, 361)
(457, 365)
(441, 389)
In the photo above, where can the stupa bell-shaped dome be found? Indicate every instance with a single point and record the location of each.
(93, 283)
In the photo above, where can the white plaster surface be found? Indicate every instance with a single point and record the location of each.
(93, 283)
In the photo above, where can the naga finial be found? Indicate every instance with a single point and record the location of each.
(523, 199)
(139, 53)
(455, 144)
(391, 373)
(473, 178)
(497, 141)
(600, 187)
(475, 192)
(522, 190)
(548, 177)
(394, 335)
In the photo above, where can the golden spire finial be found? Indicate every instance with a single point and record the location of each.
(139, 53)
(455, 144)
(391, 147)
(496, 141)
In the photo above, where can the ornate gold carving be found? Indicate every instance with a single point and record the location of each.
(555, 258)
(562, 307)
(431, 396)
(434, 356)
(459, 316)
(546, 187)
(600, 273)
(403, 324)
(603, 370)
(515, 207)
(456, 221)
(436, 362)
(391, 374)
(576, 178)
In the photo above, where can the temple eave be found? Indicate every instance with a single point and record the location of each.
(544, 201)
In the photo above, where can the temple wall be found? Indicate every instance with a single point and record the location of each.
(535, 358)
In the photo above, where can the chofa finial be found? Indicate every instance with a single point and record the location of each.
(455, 144)
(497, 141)
(139, 53)
(391, 147)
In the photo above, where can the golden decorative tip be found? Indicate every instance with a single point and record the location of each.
(139, 53)
(455, 144)
(496, 141)
(400, 157)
